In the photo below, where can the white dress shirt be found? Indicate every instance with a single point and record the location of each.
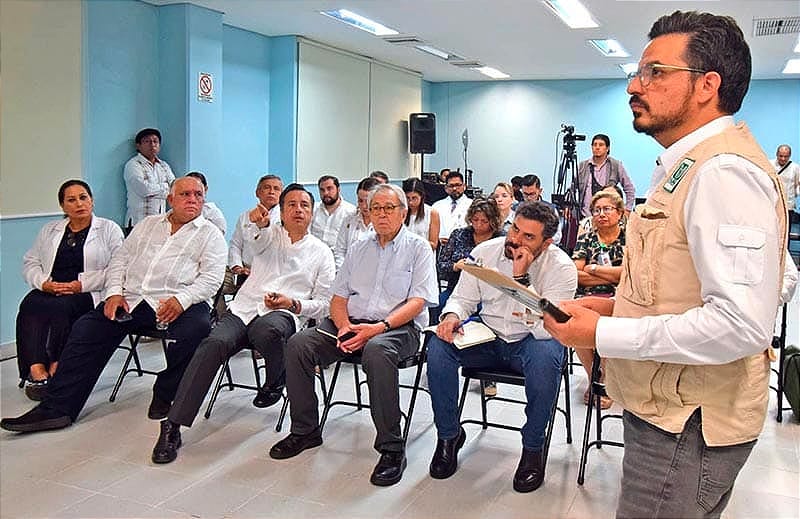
(728, 193)
(353, 229)
(213, 214)
(553, 276)
(790, 178)
(148, 186)
(243, 240)
(153, 264)
(452, 217)
(303, 270)
(326, 226)
(102, 241)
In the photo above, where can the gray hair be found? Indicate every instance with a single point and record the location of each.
(401, 196)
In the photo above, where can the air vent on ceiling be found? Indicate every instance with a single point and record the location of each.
(403, 39)
(773, 26)
(468, 63)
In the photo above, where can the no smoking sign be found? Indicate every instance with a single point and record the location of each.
(205, 87)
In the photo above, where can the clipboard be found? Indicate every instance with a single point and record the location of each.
(516, 291)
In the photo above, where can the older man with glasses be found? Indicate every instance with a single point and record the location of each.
(378, 308)
(452, 208)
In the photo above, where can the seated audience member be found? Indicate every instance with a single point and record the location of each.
(147, 179)
(602, 170)
(532, 192)
(522, 345)
(598, 258)
(379, 295)
(290, 282)
(331, 213)
(503, 194)
(66, 267)
(211, 212)
(452, 209)
(380, 176)
(357, 225)
(422, 219)
(166, 271)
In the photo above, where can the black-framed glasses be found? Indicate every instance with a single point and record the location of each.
(649, 71)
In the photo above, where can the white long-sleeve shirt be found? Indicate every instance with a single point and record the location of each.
(737, 286)
(102, 241)
(148, 186)
(153, 264)
(303, 270)
(242, 243)
(553, 275)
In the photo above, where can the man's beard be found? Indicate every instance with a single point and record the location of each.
(329, 200)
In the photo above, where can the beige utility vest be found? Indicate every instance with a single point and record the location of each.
(658, 277)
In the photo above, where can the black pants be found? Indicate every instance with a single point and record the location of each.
(43, 324)
(93, 340)
(379, 357)
(267, 334)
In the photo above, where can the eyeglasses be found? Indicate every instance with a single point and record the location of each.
(378, 209)
(597, 211)
(646, 73)
(453, 186)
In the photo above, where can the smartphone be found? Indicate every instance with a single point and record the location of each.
(558, 314)
(121, 316)
(347, 336)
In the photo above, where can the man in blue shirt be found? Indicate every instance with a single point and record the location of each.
(379, 301)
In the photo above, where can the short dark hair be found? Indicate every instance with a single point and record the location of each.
(199, 176)
(455, 174)
(70, 183)
(487, 206)
(269, 176)
(542, 213)
(603, 137)
(366, 184)
(531, 180)
(323, 178)
(716, 44)
(294, 186)
(146, 132)
(380, 174)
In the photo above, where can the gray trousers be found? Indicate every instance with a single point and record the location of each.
(380, 357)
(266, 334)
(669, 475)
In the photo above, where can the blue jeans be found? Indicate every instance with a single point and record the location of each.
(538, 360)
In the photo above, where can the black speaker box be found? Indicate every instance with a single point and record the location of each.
(422, 133)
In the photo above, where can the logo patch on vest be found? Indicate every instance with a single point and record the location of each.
(677, 175)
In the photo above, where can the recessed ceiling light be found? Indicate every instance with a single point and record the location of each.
(492, 72)
(359, 22)
(792, 66)
(434, 51)
(573, 13)
(629, 68)
(609, 48)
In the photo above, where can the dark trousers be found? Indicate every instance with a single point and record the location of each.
(267, 334)
(676, 475)
(43, 324)
(380, 357)
(93, 340)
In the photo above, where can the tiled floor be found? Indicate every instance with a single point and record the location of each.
(100, 467)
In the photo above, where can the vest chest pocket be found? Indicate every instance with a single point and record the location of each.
(742, 259)
(641, 263)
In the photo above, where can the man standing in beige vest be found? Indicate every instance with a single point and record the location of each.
(685, 337)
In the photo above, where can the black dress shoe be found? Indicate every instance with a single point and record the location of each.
(169, 441)
(294, 444)
(37, 419)
(159, 409)
(445, 458)
(268, 396)
(389, 469)
(530, 471)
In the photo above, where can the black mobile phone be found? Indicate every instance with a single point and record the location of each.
(557, 313)
(121, 316)
(347, 336)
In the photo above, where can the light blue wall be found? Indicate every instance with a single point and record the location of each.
(513, 125)
(245, 116)
(283, 107)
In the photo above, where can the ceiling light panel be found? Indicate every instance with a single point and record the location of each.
(609, 48)
(359, 22)
(573, 13)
